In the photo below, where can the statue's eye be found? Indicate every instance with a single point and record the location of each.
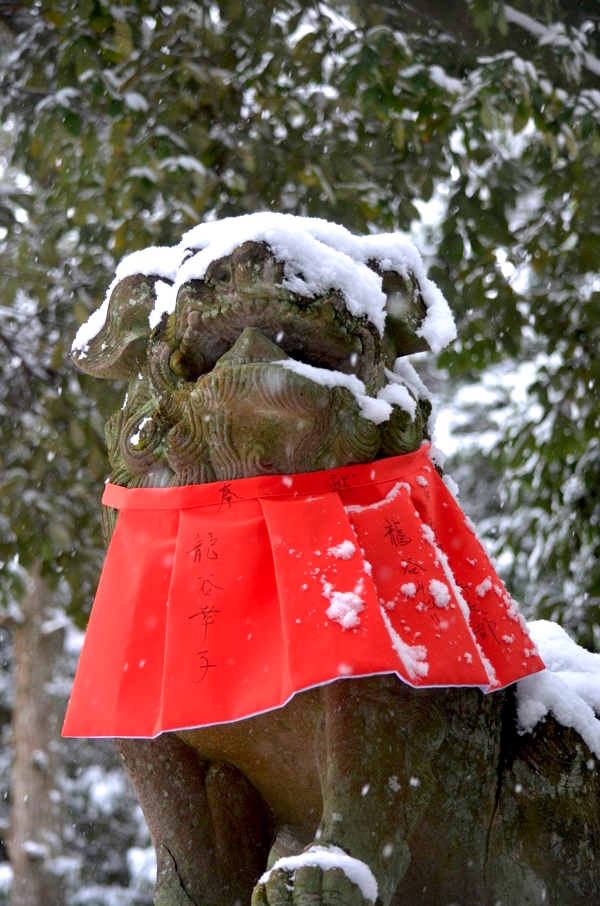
(221, 275)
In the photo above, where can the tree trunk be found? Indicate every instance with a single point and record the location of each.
(35, 839)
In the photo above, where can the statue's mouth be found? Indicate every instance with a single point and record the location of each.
(317, 333)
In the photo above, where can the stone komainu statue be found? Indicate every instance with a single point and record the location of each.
(296, 626)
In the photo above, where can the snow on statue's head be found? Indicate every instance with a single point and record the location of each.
(264, 344)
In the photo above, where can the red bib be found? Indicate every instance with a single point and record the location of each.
(222, 600)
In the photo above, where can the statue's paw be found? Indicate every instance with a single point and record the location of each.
(318, 877)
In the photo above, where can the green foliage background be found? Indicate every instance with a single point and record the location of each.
(125, 123)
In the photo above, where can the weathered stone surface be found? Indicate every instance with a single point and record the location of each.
(514, 819)
(206, 400)
(435, 789)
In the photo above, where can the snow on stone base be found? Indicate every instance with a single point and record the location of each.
(569, 689)
(331, 857)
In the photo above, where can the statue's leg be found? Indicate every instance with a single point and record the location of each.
(377, 742)
(208, 823)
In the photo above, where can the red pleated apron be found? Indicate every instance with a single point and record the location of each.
(220, 601)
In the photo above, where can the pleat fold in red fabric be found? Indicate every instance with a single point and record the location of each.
(221, 601)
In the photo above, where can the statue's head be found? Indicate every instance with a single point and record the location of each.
(264, 344)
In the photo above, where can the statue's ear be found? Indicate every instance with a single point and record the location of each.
(405, 312)
(119, 349)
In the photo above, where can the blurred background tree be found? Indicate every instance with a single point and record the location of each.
(473, 126)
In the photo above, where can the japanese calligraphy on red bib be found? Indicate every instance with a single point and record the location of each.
(221, 601)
